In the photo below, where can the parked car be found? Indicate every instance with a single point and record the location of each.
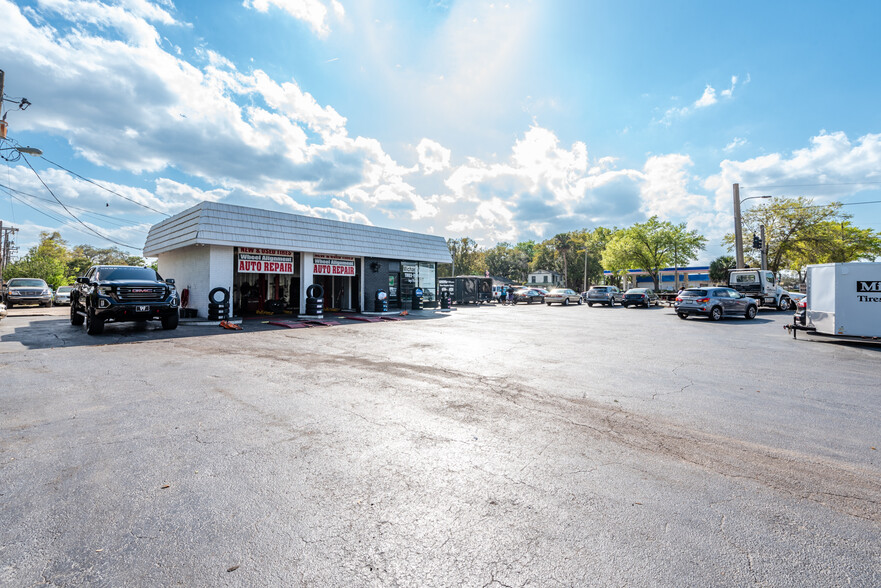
(27, 291)
(563, 296)
(608, 295)
(715, 303)
(529, 295)
(640, 297)
(62, 294)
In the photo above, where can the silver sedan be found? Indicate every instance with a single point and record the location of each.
(563, 296)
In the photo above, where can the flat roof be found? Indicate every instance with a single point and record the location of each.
(213, 223)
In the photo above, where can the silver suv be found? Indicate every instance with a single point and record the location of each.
(715, 303)
(604, 295)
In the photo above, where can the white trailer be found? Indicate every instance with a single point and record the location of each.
(843, 301)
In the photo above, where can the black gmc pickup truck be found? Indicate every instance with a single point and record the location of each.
(119, 293)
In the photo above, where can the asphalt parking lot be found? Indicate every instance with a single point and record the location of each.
(491, 446)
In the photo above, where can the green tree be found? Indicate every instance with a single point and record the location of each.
(651, 246)
(790, 224)
(833, 242)
(507, 262)
(467, 258)
(719, 268)
(46, 260)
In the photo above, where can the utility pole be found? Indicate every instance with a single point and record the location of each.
(4, 247)
(2, 118)
(584, 278)
(738, 229)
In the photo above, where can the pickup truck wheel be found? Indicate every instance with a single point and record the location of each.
(784, 304)
(750, 312)
(76, 319)
(169, 323)
(94, 325)
(716, 313)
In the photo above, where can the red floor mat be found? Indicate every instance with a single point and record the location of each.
(289, 324)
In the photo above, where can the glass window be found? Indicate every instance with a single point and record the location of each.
(426, 279)
(546, 279)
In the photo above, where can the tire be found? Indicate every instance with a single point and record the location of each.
(580, 301)
(315, 291)
(94, 325)
(549, 303)
(542, 300)
(751, 311)
(76, 319)
(590, 304)
(784, 304)
(9, 305)
(565, 302)
(169, 322)
(682, 315)
(611, 302)
(222, 291)
(716, 313)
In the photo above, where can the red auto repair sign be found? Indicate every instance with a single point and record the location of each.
(265, 261)
(333, 265)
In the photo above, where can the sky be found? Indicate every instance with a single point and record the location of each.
(502, 121)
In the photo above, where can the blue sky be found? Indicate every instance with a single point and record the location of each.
(501, 121)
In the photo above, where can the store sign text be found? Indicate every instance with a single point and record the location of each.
(333, 265)
(265, 261)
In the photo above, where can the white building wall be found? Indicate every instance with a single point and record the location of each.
(198, 269)
(221, 266)
(189, 268)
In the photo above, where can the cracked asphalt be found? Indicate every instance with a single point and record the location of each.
(513, 446)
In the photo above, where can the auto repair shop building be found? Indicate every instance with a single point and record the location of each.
(267, 260)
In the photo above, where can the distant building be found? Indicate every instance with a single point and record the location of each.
(544, 279)
(669, 280)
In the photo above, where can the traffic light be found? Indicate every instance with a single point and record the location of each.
(757, 243)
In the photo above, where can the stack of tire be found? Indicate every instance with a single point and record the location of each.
(314, 300)
(218, 309)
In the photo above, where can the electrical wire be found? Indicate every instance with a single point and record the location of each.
(75, 217)
(811, 185)
(110, 219)
(73, 173)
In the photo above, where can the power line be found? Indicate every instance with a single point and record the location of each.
(103, 187)
(810, 185)
(72, 214)
(111, 219)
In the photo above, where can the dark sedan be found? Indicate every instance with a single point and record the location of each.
(640, 297)
(529, 296)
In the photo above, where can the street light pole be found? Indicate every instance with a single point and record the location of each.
(738, 228)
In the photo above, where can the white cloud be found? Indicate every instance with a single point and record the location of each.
(312, 12)
(736, 143)
(433, 156)
(707, 99)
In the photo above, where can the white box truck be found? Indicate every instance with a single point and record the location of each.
(843, 301)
